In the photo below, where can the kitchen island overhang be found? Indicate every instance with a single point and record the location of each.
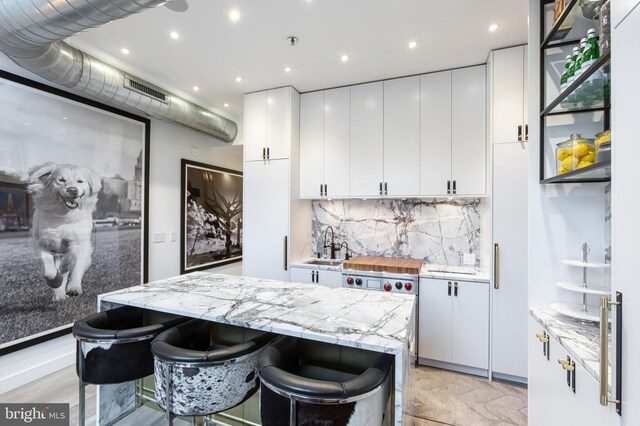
(374, 321)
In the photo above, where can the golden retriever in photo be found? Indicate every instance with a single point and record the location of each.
(65, 197)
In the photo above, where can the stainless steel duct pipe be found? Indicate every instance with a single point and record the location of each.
(31, 34)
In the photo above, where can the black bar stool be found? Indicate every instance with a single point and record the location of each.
(203, 368)
(114, 347)
(297, 392)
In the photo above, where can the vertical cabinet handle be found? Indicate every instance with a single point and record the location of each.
(385, 188)
(526, 132)
(520, 133)
(284, 253)
(325, 190)
(604, 352)
(455, 289)
(313, 276)
(449, 291)
(268, 155)
(448, 187)
(317, 277)
(380, 188)
(321, 194)
(455, 190)
(496, 266)
(264, 153)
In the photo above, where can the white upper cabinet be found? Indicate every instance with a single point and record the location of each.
(367, 147)
(510, 95)
(435, 133)
(311, 144)
(278, 123)
(255, 125)
(620, 9)
(324, 143)
(267, 125)
(336, 142)
(402, 136)
(468, 105)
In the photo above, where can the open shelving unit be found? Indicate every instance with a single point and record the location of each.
(563, 34)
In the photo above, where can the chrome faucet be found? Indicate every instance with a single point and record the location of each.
(332, 245)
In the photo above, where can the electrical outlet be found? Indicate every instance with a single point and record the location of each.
(469, 259)
(158, 237)
(195, 151)
(173, 236)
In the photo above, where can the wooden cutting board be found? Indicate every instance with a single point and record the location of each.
(384, 264)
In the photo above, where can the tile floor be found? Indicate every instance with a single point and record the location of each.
(440, 398)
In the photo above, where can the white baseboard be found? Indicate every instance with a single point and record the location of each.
(30, 364)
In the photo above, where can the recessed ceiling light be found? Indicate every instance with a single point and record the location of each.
(344, 58)
(226, 105)
(412, 44)
(174, 35)
(234, 15)
(125, 51)
(65, 118)
(287, 69)
(493, 27)
(238, 79)
(196, 89)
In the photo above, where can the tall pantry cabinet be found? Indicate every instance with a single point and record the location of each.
(272, 233)
(507, 132)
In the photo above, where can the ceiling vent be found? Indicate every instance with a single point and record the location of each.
(145, 89)
(32, 34)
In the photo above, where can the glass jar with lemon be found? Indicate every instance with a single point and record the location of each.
(603, 146)
(575, 153)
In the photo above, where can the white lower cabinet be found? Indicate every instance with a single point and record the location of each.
(454, 322)
(316, 276)
(552, 399)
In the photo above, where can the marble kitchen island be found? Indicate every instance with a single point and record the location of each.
(371, 320)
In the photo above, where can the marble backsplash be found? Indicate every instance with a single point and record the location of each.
(435, 230)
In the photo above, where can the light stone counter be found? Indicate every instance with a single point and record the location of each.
(376, 321)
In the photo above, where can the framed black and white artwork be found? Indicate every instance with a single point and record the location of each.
(211, 217)
(73, 216)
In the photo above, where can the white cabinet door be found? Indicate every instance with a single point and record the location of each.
(301, 275)
(435, 320)
(508, 94)
(561, 401)
(468, 130)
(279, 123)
(435, 133)
(255, 125)
(336, 142)
(589, 412)
(539, 391)
(366, 158)
(311, 144)
(330, 278)
(526, 93)
(470, 338)
(509, 311)
(266, 218)
(402, 136)
(620, 9)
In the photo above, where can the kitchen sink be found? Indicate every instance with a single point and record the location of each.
(325, 262)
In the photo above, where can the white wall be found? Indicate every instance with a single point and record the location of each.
(169, 143)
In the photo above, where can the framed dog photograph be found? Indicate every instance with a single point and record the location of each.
(211, 217)
(73, 216)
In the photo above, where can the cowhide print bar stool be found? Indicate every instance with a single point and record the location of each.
(297, 391)
(114, 347)
(203, 368)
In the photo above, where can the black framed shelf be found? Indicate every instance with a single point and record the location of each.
(598, 172)
(566, 113)
(602, 64)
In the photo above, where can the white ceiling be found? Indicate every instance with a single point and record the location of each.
(212, 50)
